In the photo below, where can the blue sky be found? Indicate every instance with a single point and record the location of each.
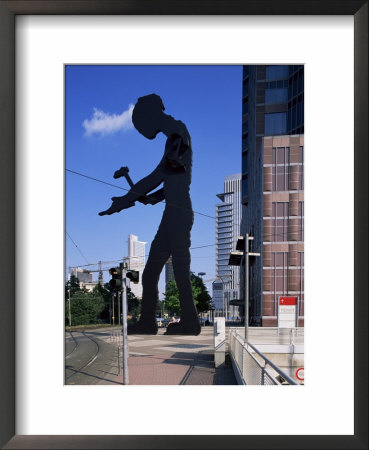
(100, 139)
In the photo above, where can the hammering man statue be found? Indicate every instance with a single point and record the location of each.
(173, 235)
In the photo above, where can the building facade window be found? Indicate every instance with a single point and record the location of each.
(276, 95)
(280, 261)
(225, 213)
(280, 221)
(301, 169)
(301, 283)
(276, 72)
(245, 162)
(296, 85)
(280, 172)
(301, 221)
(225, 247)
(276, 84)
(245, 90)
(245, 184)
(275, 123)
(245, 141)
(295, 123)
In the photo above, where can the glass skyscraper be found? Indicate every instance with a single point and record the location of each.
(272, 105)
(228, 220)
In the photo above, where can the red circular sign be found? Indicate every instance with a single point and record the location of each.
(300, 374)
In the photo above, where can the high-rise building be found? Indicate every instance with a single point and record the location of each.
(272, 186)
(272, 105)
(228, 220)
(136, 261)
(84, 277)
(169, 271)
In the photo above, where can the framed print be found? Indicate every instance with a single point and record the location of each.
(37, 410)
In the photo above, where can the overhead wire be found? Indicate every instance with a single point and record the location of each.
(163, 201)
(83, 256)
(192, 248)
(130, 190)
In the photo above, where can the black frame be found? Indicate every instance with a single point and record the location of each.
(8, 11)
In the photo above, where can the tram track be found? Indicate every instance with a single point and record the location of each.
(92, 355)
(76, 344)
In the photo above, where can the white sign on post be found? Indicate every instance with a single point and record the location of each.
(287, 312)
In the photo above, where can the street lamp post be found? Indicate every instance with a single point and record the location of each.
(224, 294)
(247, 285)
(70, 312)
(112, 300)
(235, 260)
(118, 307)
(124, 320)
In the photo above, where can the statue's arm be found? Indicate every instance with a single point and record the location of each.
(138, 193)
(153, 198)
(147, 184)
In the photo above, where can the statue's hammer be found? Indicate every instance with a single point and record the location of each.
(123, 172)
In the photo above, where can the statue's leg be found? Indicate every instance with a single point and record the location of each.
(158, 256)
(181, 259)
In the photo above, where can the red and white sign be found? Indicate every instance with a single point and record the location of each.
(287, 312)
(300, 374)
(288, 300)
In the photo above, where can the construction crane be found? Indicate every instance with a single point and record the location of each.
(100, 278)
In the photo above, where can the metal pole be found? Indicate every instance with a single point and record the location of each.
(223, 297)
(118, 361)
(110, 321)
(226, 305)
(70, 312)
(246, 253)
(112, 299)
(124, 328)
(118, 307)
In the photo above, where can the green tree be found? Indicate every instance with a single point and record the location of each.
(134, 304)
(201, 296)
(71, 286)
(172, 298)
(86, 307)
(105, 292)
(161, 308)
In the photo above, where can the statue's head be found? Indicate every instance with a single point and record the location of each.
(147, 115)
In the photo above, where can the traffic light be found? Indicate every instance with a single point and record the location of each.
(133, 275)
(116, 278)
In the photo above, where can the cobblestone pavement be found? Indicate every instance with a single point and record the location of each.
(164, 360)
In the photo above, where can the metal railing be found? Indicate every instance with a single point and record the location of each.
(251, 366)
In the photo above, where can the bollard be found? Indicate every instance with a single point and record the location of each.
(292, 341)
(219, 341)
(292, 336)
(118, 361)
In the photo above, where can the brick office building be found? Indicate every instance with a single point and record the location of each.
(272, 187)
(283, 225)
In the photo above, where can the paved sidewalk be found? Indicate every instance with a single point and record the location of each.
(167, 360)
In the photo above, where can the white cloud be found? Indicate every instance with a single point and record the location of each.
(103, 123)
